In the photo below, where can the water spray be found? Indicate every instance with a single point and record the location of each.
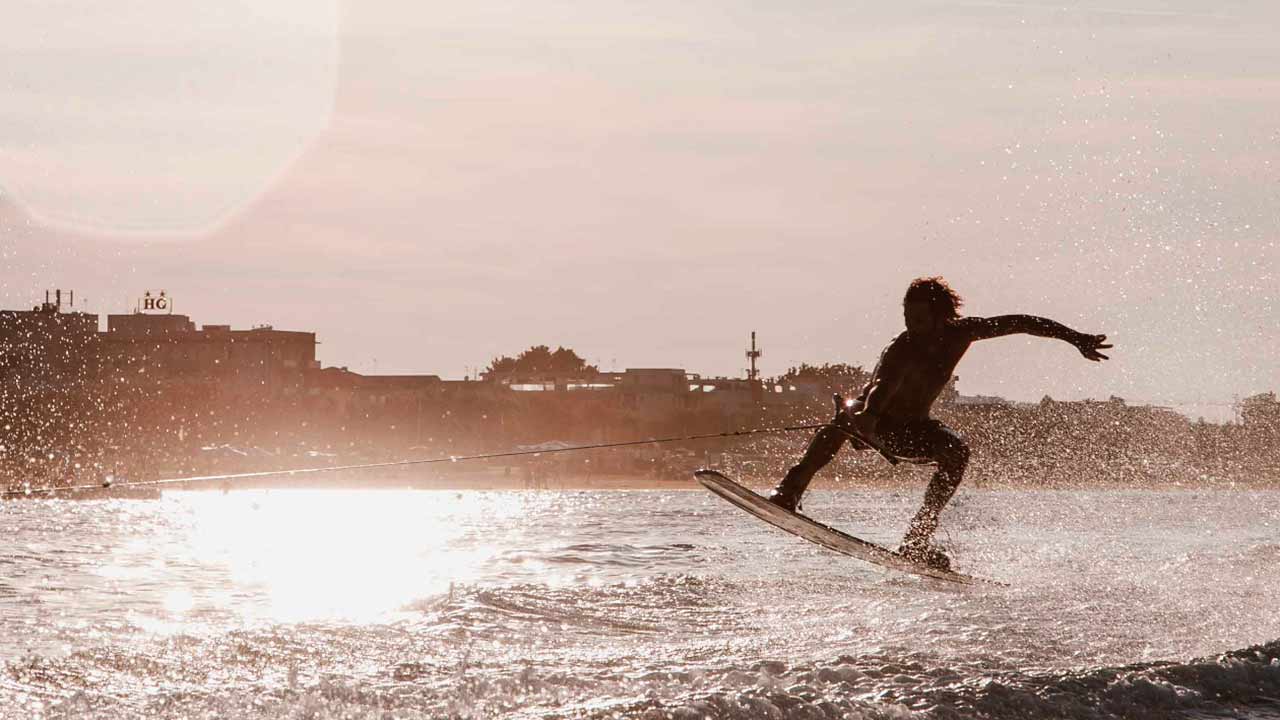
(110, 483)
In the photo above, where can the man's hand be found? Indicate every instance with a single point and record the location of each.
(1089, 345)
(855, 422)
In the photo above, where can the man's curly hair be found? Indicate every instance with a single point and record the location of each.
(936, 292)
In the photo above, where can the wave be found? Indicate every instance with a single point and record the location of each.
(537, 651)
(1245, 681)
(684, 604)
(612, 554)
(1242, 683)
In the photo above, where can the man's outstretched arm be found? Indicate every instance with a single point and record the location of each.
(1000, 325)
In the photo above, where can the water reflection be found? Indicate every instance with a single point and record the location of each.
(304, 555)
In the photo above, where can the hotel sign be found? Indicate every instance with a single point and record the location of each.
(155, 302)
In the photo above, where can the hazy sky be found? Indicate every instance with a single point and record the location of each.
(429, 184)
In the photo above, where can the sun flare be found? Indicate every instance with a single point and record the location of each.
(349, 555)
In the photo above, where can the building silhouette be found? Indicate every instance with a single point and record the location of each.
(170, 348)
(47, 344)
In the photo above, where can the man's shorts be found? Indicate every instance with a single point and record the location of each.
(923, 440)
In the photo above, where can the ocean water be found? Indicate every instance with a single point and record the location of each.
(644, 604)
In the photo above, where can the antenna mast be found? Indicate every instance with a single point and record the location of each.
(753, 354)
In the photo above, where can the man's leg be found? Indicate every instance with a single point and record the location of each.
(822, 449)
(942, 445)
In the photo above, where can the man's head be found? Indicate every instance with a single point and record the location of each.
(929, 303)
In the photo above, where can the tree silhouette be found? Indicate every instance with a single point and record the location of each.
(539, 359)
(835, 374)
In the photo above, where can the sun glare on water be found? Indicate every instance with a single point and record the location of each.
(320, 555)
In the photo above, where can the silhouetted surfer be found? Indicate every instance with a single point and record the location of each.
(893, 409)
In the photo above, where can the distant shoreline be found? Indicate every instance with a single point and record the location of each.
(498, 481)
(622, 483)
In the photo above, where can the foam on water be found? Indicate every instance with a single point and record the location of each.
(635, 604)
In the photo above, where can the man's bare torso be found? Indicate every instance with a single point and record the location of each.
(918, 368)
(914, 368)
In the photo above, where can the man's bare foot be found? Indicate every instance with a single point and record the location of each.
(923, 553)
(790, 503)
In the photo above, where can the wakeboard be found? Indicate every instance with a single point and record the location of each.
(826, 536)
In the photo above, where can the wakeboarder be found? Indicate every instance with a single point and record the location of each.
(892, 412)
